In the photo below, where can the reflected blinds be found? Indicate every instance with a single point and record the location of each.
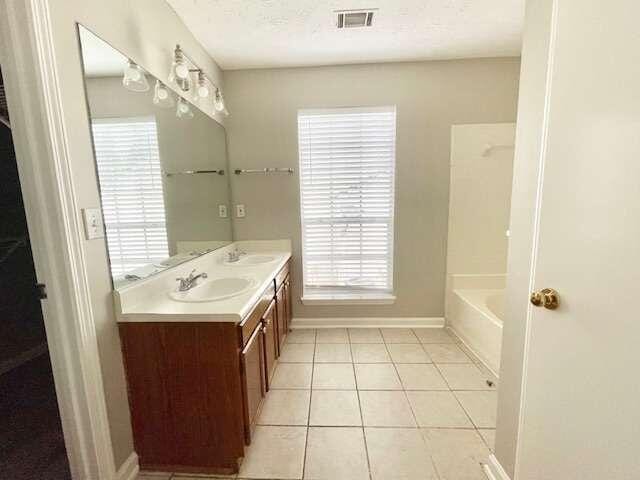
(130, 180)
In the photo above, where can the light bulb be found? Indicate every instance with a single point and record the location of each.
(182, 71)
(179, 73)
(203, 91)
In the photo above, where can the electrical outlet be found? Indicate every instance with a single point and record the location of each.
(93, 227)
(222, 211)
(240, 213)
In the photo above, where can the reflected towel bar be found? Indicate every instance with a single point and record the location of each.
(192, 172)
(490, 147)
(264, 171)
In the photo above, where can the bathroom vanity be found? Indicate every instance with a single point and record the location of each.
(199, 353)
(197, 370)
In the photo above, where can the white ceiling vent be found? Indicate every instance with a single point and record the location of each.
(355, 18)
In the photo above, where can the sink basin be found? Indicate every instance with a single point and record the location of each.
(215, 289)
(252, 260)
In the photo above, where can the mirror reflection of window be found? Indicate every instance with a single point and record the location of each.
(158, 213)
(130, 176)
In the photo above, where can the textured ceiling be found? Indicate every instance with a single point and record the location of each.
(283, 33)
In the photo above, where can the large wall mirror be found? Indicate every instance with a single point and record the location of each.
(161, 164)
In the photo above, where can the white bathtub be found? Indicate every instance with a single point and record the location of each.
(476, 315)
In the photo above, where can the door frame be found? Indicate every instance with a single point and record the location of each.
(532, 133)
(55, 228)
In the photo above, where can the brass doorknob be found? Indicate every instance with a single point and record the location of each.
(547, 298)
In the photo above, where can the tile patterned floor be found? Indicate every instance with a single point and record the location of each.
(372, 404)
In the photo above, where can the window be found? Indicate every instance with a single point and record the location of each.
(130, 180)
(347, 163)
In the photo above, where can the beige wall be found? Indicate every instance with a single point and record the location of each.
(430, 97)
(147, 31)
(529, 138)
(479, 198)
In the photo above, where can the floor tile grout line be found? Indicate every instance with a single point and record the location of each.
(377, 427)
(306, 438)
(415, 419)
(364, 433)
(490, 389)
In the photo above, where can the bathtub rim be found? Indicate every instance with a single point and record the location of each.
(482, 309)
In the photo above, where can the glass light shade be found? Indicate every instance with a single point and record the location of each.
(218, 103)
(182, 71)
(183, 110)
(179, 73)
(162, 96)
(134, 78)
(202, 89)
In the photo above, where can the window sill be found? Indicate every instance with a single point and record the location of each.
(348, 299)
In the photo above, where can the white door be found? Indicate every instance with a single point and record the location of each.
(581, 395)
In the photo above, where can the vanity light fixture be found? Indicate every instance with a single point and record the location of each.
(162, 96)
(134, 78)
(183, 109)
(186, 74)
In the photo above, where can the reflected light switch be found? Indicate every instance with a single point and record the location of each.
(222, 211)
(93, 227)
(240, 210)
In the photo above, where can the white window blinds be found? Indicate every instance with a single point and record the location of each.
(347, 163)
(130, 180)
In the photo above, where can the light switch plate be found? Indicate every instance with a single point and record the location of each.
(93, 227)
(240, 213)
(222, 211)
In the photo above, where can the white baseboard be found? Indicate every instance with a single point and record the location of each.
(369, 322)
(129, 469)
(481, 358)
(493, 470)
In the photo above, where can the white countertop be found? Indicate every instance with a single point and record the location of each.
(148, 300)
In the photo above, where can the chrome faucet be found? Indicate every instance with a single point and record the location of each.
(189, 282)
(235, 255)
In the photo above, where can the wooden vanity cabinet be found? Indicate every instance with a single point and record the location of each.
(271, 347)
(196, 388)
(252, 371)
(287, 302)
(281, 309)
(185, 394)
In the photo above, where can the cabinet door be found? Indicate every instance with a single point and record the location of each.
(287, 302)
(253, 381)
(270, 340)
(281, 314)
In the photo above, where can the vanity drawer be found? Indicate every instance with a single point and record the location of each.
(251, 321)
(282, 275)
